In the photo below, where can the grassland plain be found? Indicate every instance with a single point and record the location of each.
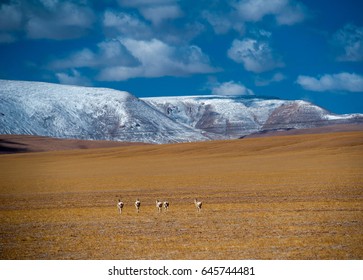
(283, 197)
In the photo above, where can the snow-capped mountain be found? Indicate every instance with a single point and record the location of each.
(63, 111)
(85, 113)
(236, 116)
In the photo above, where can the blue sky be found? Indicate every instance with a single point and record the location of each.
(308, 49)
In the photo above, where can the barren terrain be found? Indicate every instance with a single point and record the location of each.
(10, 144)
(282, 197)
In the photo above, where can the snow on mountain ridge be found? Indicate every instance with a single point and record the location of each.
(63, 111)
(236, 116)
(85, 113)
(231, 116)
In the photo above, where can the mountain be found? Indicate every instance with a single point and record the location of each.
(62, 111)
(237, 116)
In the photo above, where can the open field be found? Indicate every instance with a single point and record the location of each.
(283, 197)
(10, 144)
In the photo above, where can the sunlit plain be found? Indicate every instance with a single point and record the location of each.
(283, 197)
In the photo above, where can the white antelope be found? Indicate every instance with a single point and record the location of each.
(159, 205)
(120, 205)
(198, 204)
(166, 205)
(137, 205)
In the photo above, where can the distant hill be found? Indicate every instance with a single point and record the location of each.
(73, 112)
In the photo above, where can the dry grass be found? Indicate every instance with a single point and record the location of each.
(10, 144)
(288, 197)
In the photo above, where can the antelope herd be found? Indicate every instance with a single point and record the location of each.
(159, 205)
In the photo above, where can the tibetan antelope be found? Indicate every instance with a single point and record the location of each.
(120, 205)
(198, 204)
(159, 205)
(166, 205)
(137, 205)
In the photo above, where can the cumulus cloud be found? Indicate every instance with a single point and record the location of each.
(126, 25)
(349, 43)
(231, 88)
(350, 82)
(256, 56)
(277, 77)
(44, 19)
(156, 11)
(107, 53)
(160, 13)
(82, 58)
(137, 3)
(286, 12)
(10, 17)
(159, 59)
(221, 24)
(11, 21)
(59, 21)
(73, 78)
(125, 58)
(180, 34)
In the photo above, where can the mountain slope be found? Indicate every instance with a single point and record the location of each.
(44, 109)
(234, 117)
(85, 113)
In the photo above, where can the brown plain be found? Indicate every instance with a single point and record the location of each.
(282, 197)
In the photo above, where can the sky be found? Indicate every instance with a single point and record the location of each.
(289, 49)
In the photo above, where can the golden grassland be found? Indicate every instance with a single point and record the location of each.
(283, 197)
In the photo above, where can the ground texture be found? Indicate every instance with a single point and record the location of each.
(282, 197)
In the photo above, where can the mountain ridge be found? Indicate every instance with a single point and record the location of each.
(63, 111)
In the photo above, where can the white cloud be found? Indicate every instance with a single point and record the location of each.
(181, 35)
(73, 78)
(83, 58)
(291, 14)
(126, 25)
(137, 3)
(159, 14)
(255, 10)
(108, 53)
(45, 19)
(277, 77)
(223, 23)
(10, 17)
(59, 21)
(11, 21)
(256, 56)
(156, 11)
(286, 12)
(50, 4)
(231, 88)
(159, 59)
(125, 58)
(336, 82)
(349, 42)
